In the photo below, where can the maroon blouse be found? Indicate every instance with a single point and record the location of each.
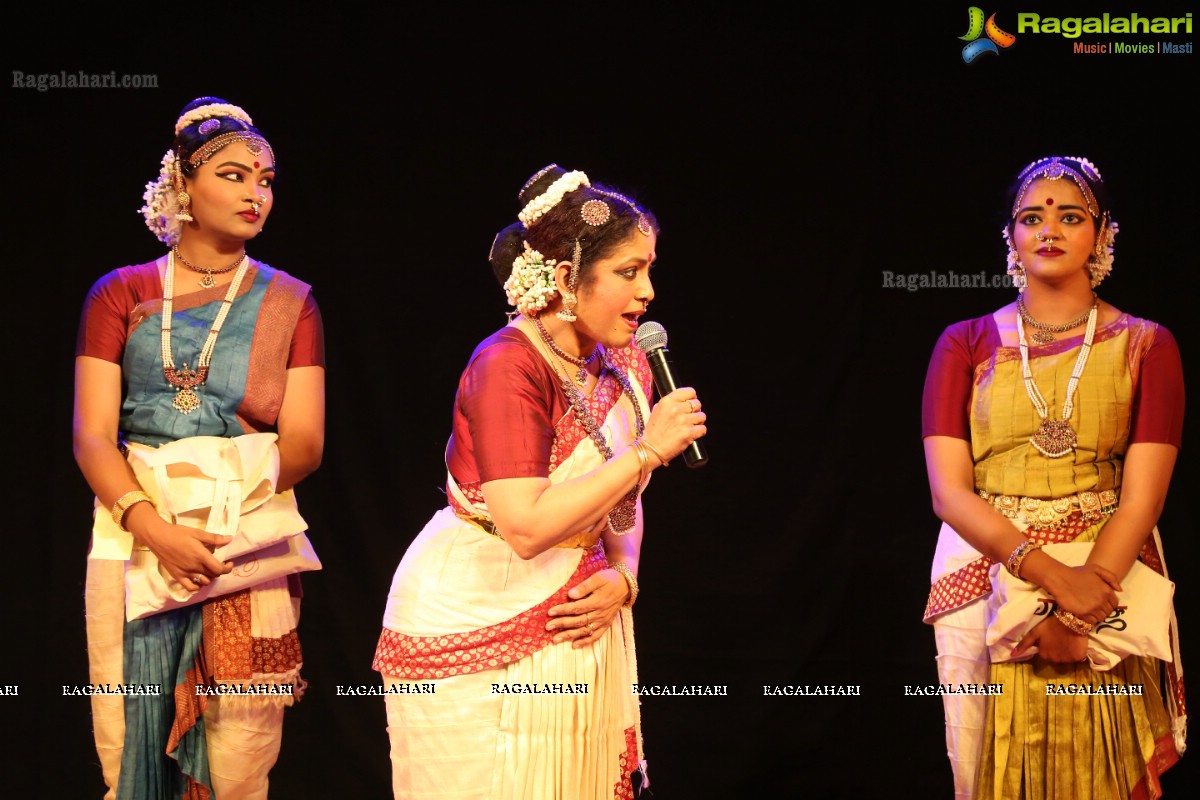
(1158, 397)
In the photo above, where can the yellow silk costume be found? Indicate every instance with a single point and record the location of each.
(1034, 745)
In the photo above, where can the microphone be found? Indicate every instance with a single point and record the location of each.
(651, 339)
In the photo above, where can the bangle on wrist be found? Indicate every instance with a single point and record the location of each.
(1076, 625)
(627, 574)
(654, 450)
(1013, 563)
(639, 447)
(126, 502)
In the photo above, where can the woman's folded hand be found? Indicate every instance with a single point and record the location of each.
(1087, 591)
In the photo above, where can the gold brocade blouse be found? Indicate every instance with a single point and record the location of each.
(1003, 418)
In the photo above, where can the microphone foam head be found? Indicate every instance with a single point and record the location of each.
(650, 336)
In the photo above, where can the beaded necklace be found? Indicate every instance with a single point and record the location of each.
(1054, 438)
(622, 518)
(186, 380)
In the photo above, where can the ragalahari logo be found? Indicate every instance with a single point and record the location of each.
(976, 27)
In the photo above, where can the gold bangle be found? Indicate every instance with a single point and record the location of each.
(627, 574)
(643, 460)
(1018, 556)
(1077, 626)
(126, 502)
(654, 450)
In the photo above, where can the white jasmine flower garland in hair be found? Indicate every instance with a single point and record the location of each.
(531, 285)
(162, 204)
(212, 110)
(548, 199)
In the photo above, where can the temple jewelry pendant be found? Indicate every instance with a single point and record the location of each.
(1041, 337)
(1054, 438)
(185, 401)
(208, 282)
(581, 376)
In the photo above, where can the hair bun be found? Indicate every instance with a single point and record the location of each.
(539, 182)
(507, 245)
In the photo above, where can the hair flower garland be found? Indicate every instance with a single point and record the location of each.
(531, 285)
(212, 110)
(162, 204)
(548, 199)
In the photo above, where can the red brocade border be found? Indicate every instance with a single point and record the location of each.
(430, 657)
(233, 653)
(1164, 757)
(960, 587)
(623, 790)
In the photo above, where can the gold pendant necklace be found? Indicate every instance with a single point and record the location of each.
(1045, 332)
(185, 380)
(208, 281)
(1054, 438)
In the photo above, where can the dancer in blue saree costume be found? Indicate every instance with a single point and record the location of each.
(202, 356)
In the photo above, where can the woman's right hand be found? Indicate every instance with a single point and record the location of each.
(1087, 591)
(675, 423)
(185, 553)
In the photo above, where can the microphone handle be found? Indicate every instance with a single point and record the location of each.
(664, 380)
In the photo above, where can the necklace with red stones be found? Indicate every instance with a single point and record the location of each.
(582, 363)
(186, 380)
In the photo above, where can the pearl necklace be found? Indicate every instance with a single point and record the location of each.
(582, 363)
(1054, 438)
(207, 281)
(186, 380)
(1043, 336)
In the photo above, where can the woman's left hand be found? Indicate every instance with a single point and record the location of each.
(1055, 643)
(596, 602)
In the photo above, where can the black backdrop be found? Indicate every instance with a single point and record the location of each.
(792, 158)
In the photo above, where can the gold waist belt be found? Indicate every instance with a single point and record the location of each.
(584, 541)
(1038, 513)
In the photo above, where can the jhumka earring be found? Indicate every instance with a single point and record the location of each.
(567, 312)
(1100, 262)
(185, 199)
(1015, 270)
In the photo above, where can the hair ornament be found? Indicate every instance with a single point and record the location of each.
(595, 212)
(254, 143)
(212, 110)
(209, 125)
(536, 177)
(1053, 168)
(530, 286)
(643, 224)
(538, 206)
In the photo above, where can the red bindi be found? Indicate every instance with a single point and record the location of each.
(1049, 200)
(256, 165)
